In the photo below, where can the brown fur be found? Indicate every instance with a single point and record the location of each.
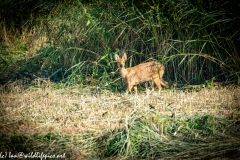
(149, 71)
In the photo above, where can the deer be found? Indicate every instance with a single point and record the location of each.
(143, 72)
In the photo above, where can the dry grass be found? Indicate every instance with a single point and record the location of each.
(78, 110)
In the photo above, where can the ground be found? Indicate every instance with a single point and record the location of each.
(79, 110)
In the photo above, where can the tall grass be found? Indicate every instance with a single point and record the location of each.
(196, 42)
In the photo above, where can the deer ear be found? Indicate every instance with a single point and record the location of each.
(116, 57)
(124, 56)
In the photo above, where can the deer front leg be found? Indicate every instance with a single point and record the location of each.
(135, 89)
(129, 88)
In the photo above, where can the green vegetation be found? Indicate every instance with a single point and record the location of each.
(71, 41)
(60, 90)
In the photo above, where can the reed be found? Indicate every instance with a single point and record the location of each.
(196, 42)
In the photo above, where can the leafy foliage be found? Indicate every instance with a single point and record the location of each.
(195, 40)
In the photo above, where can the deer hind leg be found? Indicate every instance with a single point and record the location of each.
(164, 83)
(157, 81)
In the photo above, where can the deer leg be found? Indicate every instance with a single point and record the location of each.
(164, 83)
(157, 81)
(135, 89)
(129, 88)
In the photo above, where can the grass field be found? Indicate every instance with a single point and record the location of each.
(90, 123)
(61, 95)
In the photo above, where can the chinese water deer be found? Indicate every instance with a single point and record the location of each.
(149, 71)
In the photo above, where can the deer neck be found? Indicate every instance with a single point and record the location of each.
(123, 72)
